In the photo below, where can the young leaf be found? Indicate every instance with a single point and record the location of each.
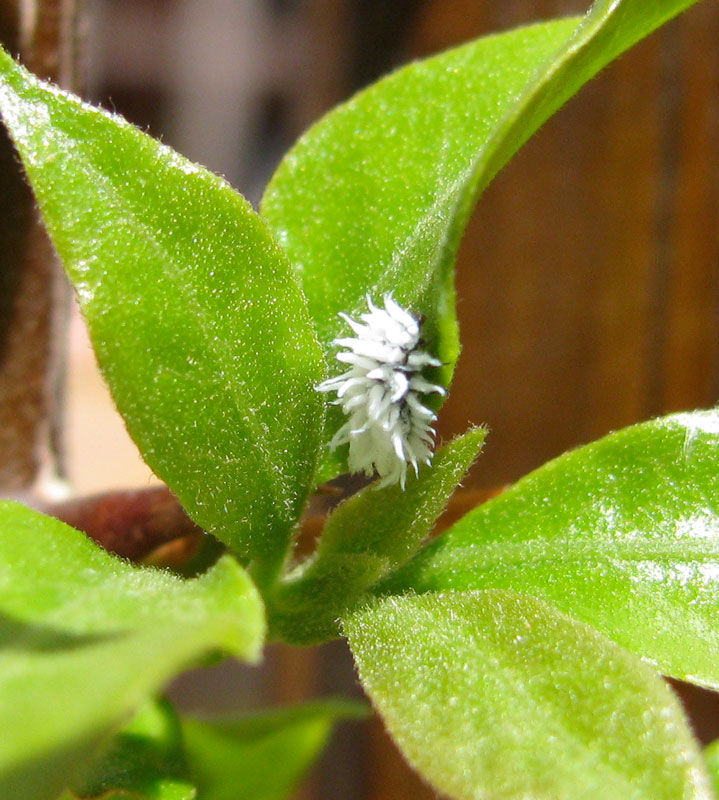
(197, 320)
(368, 536)
(145, 760)
(496, 695)
(263, 756)
(85, 638)
(393, 522)
(375, 197)
(622, 534)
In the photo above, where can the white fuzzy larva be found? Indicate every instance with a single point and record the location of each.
(388, 426)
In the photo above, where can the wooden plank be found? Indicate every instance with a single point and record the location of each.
(690, 359)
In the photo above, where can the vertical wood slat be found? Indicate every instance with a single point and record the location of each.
(690, 360)
(33, 295)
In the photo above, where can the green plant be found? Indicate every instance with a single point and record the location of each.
(516, 655)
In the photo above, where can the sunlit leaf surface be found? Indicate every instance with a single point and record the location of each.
(196, 318)
(86, 637)
(622, 533)
(496, 696)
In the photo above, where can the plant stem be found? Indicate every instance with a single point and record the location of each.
(132, 524)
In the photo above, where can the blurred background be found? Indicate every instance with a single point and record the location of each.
(588, 280)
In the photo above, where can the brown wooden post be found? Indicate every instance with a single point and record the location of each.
(46, 36)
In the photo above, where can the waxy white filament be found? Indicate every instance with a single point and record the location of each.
(388, 426)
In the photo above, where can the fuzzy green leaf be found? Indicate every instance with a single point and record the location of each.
(622, 533)
(375, 197)
(86, 637)
(496, 695)
(197, 320)
(145, 760)
(367, 537)
(263, 756)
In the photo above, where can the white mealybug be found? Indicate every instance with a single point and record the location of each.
(388, 426)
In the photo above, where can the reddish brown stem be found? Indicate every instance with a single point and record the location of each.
(132, 524)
